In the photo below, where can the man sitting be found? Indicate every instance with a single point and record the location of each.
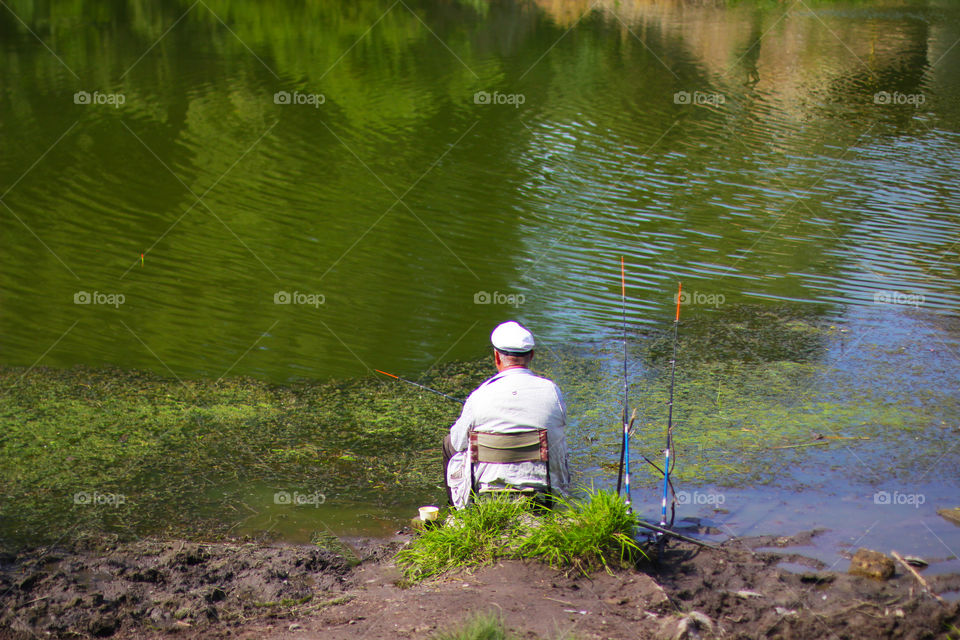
(512, 401)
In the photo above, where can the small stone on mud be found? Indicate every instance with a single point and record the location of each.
(687, 626)
(871, 564)
(650, 596)
(30, 582)
(216, 595)
(816, 578)
(104, 627)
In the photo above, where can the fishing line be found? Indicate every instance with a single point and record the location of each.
(417, 384)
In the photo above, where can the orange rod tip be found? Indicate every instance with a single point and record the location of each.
(386, 374)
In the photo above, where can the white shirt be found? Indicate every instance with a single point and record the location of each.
(513, 400)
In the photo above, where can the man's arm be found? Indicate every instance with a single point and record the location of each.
(459, 432)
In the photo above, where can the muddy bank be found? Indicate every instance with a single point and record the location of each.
(156, 589)
(154, 586)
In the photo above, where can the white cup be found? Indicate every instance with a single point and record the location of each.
(429, 513)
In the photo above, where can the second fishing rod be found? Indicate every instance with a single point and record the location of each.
(623, 474)
(666, 452)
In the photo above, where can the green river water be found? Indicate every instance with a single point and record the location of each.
(301, 192)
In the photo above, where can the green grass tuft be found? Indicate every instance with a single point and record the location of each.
(586, 534)
(485, 626)
(477, 535)
(581, 534)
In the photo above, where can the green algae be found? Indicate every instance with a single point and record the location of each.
(755, 393)
(132, 454)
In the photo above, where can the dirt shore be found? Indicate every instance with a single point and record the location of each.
(161, 589)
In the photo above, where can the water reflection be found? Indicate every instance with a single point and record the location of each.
(400, 199)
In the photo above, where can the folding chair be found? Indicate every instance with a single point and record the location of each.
(509, 448)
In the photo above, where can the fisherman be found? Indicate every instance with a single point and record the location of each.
(514, 400)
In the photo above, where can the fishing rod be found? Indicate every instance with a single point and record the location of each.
(625, 441)
(417, 384)
(666, 451)
(663, 531)
(628, 426)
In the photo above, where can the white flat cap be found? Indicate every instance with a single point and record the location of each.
(511, 337)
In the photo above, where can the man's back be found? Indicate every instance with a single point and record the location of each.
(516, 400)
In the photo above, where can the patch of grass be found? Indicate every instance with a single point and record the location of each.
(585, 534)
(329, 542)
(484, 626)
(284, 602)
(476, 536)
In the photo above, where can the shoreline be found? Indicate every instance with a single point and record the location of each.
(155, 588)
